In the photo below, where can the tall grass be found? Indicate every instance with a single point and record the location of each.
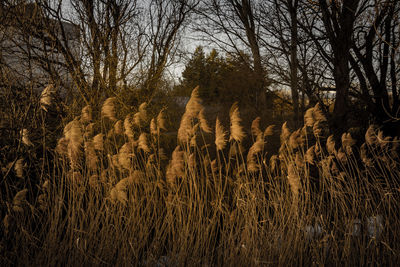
(115, 197)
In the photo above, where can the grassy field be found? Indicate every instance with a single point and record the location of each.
(111, 193)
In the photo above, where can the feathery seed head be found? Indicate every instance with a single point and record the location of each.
(255, 127)
(142, 143)
(128, 126)
(25, 137)
(319, 114)
(86, 114)
(269, 130)
(309, 117)
(330, 145)
(19, 168)
(310, 155)
(347, 140)
(220, 135)
(370, 135)
(237, 132)
(98, 142)
(153, 127)
(203, 122)
(285, 134)
(108, 110)
(161, 120)
(119, 128)
(46, 97)
(185, 128)
(194, 105)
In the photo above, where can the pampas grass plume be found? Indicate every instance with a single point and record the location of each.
(108, 108)
(46, 97)
(153, 127)
(194, 106)
(203, 122)
(161, 120)
(309, 117)
(25, 137)
(294, 181)
(19, 168)
(86, 114)
(285, 134)
(98, 142)
(128, 126)
(330, 145)
(237, 132)
(142, 143)
(255, 127)
(119, 128)
(220, 135)
(269, 130)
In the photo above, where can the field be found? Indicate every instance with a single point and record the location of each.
(110, 192)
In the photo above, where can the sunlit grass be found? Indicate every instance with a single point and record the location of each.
(115, 197)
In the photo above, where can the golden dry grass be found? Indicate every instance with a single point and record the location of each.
(114, 198)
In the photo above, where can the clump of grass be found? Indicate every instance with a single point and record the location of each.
(115, 197)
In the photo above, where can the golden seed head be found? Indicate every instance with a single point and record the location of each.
(255, 127)
(220, 135)
(108, 110)
(285, 134)
(203, 122)
(86, 114)
(237, 132)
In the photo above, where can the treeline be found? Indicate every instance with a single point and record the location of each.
(316, 50)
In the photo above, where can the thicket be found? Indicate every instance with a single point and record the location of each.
(108, 188)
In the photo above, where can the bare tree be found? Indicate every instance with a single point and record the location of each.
(166, 21)
(375, 59)
(233, 25)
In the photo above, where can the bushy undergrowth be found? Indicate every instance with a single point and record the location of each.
(115, 196)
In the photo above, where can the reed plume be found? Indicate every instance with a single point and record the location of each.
(309, 117)
(203, 122)
(310, 155)
(161, 120)
(86, 114)
(255, 127)
(285, 134)
(62, 146)
(319, 114)
(119, 191)
(370, 135)
(128, 127)
(98, 142)
(194, 105)
(185, 128)
(142, 143)
(47, 97)
(153, 127)
(220, 135)
(175, 168)
(25, 137)
(125, 154)
(237, 132)
(19, 168)
(119, 128)
(294, 182)
(256, 148)
(269, 130)
(74, 135)
(330, 145)
(108, 110)
(19, 201)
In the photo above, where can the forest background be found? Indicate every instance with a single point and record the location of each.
(75, 73)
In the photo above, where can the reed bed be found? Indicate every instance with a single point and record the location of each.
(115, 196)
